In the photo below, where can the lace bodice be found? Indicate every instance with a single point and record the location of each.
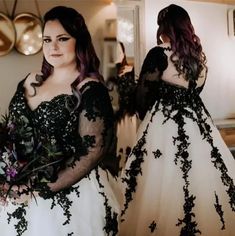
(86, 131)
(159, 79)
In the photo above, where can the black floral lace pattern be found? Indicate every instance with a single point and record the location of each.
(55, 120)
(176, 104)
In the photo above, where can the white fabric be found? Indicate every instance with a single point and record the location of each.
(159, 192)
(87, 211)
(126, 134)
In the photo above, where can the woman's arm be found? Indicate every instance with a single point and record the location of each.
(153, 66)
(89, 130)
(94, 123)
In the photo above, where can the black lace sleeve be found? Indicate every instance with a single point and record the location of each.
(96, 129)
(146, 91)
(138, 96)
(126, 85)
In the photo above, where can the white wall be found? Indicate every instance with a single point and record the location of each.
(14, 66)
(210, 23)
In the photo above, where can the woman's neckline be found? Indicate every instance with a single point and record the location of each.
(49, 101)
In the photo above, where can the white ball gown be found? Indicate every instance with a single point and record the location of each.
(90, 207)
(179, 178)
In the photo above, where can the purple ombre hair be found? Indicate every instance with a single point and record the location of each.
(187, 56)
(87, 61)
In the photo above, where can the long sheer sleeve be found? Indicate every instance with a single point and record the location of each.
(126, 85)
(146, 91)
(138, 96)
(96, 129)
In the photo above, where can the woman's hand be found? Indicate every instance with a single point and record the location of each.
(7, 194)
(15, 194)
(53, 187)
(3, 191)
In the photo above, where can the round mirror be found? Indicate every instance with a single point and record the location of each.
(28, 33)
(7, 34)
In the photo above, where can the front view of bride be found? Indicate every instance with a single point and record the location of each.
(68, 104)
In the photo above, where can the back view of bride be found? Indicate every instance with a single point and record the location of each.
(179, 177)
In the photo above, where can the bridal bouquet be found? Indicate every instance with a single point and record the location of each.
(26, 166)
(25, 161)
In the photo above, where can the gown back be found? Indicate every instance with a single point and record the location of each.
(179, 178)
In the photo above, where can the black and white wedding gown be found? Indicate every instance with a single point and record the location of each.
(90, 207)
(179, 178)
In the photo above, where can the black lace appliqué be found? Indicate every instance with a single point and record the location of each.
(219, 210)
(157, 153)
(134, 171)
(218, 162)
(54, 119)
(111, 226)
(88, 141)
(19, 214)
(178, 104)
(189, 226)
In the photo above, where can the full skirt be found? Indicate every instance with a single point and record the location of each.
(181, 190)
(94, 211)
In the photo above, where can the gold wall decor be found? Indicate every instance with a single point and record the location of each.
(28, 29)
(7, 32)
(28, 33)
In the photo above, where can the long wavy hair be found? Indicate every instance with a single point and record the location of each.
(87, 61)
(188, 57)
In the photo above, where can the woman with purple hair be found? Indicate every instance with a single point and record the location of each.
(179, 179)
(68, 104)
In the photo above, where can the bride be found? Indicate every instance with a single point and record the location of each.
(69, 104)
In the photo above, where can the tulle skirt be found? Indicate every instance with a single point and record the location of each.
(91, 206)
(159, 202)
(126, 134)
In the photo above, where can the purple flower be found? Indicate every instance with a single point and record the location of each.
(11, 126)
(11, 172)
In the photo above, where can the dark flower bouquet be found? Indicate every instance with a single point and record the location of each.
(26, 166)
(24, 161)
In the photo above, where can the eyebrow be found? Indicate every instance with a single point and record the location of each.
(60, 35)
